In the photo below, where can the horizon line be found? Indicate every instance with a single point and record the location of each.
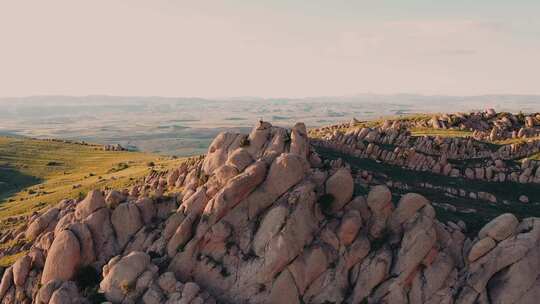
(270, 97)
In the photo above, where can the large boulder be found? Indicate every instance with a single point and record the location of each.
(7, 280)
(418, 240)
(258, 138)
(284, 290)
(500, 227)
(189, 292)
(276, 146)
(67, 293)
(218, 152)
(308, 267)
(480, 248)
(407, 207)
(42, 223)
(63, 258)
(239, 159)
(83, 234)
(379, 201)
(349, 227)
(379, 197)
(46, 291)
(299, 140)
(269, 227)
(373, 271)
(508, 270)
(286, 171)
(103, 235)
(126, 220)
(21, 268)
(147, 209)
(236, 190)
(93, 201)
(121, 274)
(114, 198)
(341, 186)
(297, 232)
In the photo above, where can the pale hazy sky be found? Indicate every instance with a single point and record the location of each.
(269, 48)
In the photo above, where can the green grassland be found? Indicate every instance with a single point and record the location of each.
(37, 173)
(510, 141)
(440, 132)
(535, 156)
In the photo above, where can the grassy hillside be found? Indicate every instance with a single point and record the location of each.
(441, 132)
(36, 173)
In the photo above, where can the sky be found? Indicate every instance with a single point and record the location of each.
(270, 48)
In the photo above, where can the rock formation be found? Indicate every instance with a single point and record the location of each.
(260, 219)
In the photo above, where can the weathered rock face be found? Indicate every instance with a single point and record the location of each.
(286, 171)
(126, 220)
(407, 207)
(392, 142)
(299, 140)
(41, 224)
(93, 201)
(63, 258)
(500, 228)
(121, 273)
(341, 187)
(249, 226)
(517, 254)
(379, 201)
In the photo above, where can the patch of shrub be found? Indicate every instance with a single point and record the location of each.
(53, 163)
(520, 117)
(203, 178)
(379, 242)
(153, 254)
(180, 248)
(87, 279)
(118, 167)
(95, 297)
(244, 142)
(127, 287)
(150, 164)
(81, 196)
(325, 202)
(87, 276)
(229, 245)
(287, 138)
(224, 272)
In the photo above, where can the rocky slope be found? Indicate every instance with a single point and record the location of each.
(393, 143)
(263, 219)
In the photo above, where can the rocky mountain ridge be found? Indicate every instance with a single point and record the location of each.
(263, 218)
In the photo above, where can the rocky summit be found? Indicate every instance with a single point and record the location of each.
(267, 217)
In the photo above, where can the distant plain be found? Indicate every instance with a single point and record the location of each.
(185, 126)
